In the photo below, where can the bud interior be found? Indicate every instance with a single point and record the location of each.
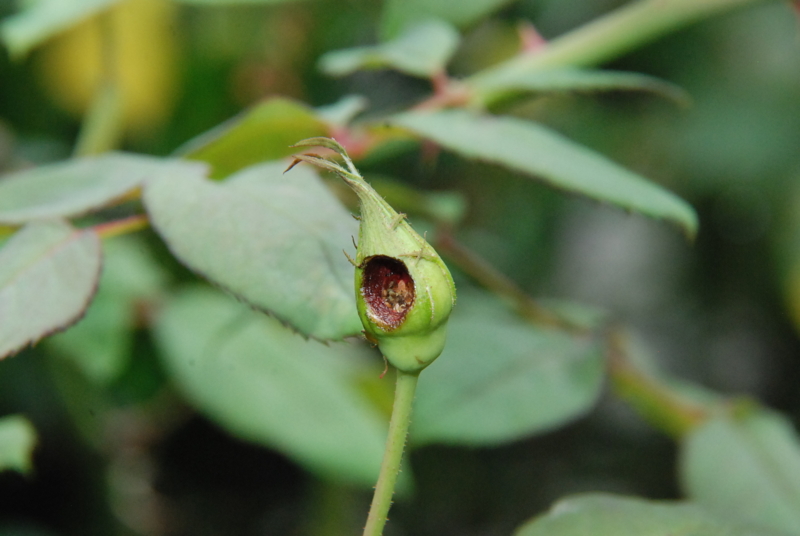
(388, 290)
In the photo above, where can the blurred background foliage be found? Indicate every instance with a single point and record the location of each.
(121, 452)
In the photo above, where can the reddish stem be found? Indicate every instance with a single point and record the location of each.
(119, 227)
(530, 38)
(356, 142)
(447, 93)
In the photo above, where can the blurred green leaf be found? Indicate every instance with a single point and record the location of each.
(747, 468)
(75, 187)
(40, 20)
(266, 384)
(264, 132)
(100, 343)
(274, 240)
(448, 207)
(500, 379)
(342, 112)
(48, 275)
(234, 2)
(398, 15)
(609, 515)
(581, 80)
(535, 150)
(422, 50)
(17, 441)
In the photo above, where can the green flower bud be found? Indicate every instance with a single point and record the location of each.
(404, 291)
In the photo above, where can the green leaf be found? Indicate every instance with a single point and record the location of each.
(234, 2)
(535, 150)
(275, 241)
(264, 132)
(400, 14)
(500, 379)
(101, 342)
(608, 515)
(48, 276)
(17, 440)
(42, 19)
(574, 79)
(342, 112)
(75, 187)
(422, 50)
(265, 384)
(746, 468)
(448, 207)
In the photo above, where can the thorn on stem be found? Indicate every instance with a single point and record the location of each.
(396, 221)
(349, 258)
(385, 368)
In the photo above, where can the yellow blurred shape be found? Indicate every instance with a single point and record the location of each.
(134, 42)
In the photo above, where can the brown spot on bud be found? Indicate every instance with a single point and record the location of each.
(388, 290)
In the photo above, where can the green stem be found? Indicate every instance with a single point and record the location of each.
(392, 456)
(101, 129)
(498, 283)
(605, 38)
(661, 405)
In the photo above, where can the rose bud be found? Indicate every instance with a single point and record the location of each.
(404, 291)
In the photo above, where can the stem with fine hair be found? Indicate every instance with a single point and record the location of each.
(393, 454)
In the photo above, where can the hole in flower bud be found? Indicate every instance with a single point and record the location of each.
(388, 289)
